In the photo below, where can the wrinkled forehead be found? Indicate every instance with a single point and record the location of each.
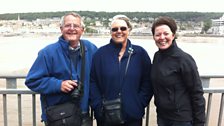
(118, 22)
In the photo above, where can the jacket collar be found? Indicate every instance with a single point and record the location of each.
(65, 44)
(117, 47)
(169, 50)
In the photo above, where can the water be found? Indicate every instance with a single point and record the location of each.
(17, 54)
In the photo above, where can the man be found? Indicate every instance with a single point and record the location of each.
(56, 71)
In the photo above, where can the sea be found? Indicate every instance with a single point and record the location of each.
(17, 53)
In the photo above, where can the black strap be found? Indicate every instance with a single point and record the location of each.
(130, 52)
(82, 74)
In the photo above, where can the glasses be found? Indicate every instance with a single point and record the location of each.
(75, 26)
(117, 28)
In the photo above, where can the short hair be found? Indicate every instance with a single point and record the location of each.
(62, 21)
(123, 17)
(164, 20)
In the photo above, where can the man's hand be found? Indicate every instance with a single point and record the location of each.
(68, 85)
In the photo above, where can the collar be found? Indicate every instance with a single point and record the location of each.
(117, 47)
(75, 49)
(65, 44)
(169, 50)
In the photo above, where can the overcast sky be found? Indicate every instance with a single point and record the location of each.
(23, 6)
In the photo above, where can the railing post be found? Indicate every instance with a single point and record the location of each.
(208, 108)
(11, 83)
(19, 110)
(5, 110)
(205, 82)
(147, 115)
(34, 109)
(221, 110)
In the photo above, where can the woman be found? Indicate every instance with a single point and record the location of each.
(120, 70)
(176, 82)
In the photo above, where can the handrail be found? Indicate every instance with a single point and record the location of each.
(13, 76)
(11, 79)
(16, 91)
(214, 90)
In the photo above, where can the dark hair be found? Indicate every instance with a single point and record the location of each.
(164, 21)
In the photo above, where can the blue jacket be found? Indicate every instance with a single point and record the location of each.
(51, 67)
(107, 80)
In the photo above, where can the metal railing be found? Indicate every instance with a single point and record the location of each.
(18, 92)
(210, 92)
(11, 89)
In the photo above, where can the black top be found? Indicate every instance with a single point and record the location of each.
(177, 86)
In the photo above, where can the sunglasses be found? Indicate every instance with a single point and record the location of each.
(117, 28)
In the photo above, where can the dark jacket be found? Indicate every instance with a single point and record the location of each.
(108, 79)
(51, 67)
(177, 86)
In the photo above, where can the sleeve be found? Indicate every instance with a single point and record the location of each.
(146, 91)
(192, 80)
(39, 79)
(95, 95)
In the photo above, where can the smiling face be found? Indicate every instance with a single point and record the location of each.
(119, 31)
(163, 37)
(72, 29)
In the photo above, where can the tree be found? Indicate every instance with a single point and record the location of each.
(207, 24)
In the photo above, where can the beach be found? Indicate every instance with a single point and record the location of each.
(18, 53)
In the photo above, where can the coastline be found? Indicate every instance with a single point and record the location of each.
(147, 36)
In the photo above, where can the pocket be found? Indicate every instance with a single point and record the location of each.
(167, 101)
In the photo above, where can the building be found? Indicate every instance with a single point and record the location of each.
(218, 26)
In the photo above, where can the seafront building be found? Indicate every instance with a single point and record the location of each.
(50, 26)
(141, 27)
(218, 26)
(24, 27)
